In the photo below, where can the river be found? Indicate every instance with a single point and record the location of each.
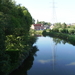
(55, 57)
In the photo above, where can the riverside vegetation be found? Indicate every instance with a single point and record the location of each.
(27, 63)
(62, 31)
(15, 37)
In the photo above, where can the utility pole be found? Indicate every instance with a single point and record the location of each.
(54, 20)
(53, 56)
(53, 12)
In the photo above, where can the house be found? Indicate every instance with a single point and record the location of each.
(46, 26)
(73, 24)
(37, 27)
(51, 27)
(32, 26)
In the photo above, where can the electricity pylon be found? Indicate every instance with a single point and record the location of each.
(54, 18)
(53, 55)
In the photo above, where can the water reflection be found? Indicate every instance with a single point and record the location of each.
(55, 57)
(27, 64)
(58, 41)
(71, 64)
(44, 61)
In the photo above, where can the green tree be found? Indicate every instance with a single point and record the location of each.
(15, 21)
(64, 25)
(33, 21)
(37, 22)
(57, 25)
(61, 29)
(71, 30)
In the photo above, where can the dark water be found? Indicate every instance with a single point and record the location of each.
(55, 57)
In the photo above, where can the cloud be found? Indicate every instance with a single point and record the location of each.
(72, 63)
(44, 61)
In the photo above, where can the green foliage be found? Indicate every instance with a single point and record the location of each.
(44, 33)
(33, 21)
(57, 25)
(32, 39)
(63, 28)
(55, 29)
(60, 30)
(38, 32)
(4, 58)
(72, 26)
(27, 63)
(15, 21)
(66, 37)
(71, 30)
(64, 25)
(43, 22)
(32, 32)
(48, 30)
(4, 63)
(13, 43)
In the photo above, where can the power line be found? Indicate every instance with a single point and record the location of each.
(53, 18)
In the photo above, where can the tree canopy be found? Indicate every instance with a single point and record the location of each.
(15, 22)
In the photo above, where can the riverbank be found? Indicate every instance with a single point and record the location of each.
(26, 64)
(53, 50)
(30, 54)
(67, 37)
(17, 57)
(15, 39)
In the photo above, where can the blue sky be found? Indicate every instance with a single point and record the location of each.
(42, 10)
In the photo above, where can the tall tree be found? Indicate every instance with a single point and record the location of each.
(15, 22)
(33, 21)
(57, 25)
(64, 25)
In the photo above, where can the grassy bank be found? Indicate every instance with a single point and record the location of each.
(39, 32)
(67, 37)
(15, 40)
(36, 32)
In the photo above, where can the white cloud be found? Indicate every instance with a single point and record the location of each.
(72, 63)
(44, 61)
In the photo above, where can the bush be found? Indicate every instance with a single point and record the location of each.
(71, 30)
(61, 30)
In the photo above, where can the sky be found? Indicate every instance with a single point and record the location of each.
(42, 10)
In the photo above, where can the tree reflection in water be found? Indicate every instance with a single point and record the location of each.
(58, 41)
(27, 64)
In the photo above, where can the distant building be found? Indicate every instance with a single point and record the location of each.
(37, 27)
(51, 27)
(73, 24)
(32, 26)
(46, 26)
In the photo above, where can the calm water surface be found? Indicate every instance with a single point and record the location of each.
(55, 57)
